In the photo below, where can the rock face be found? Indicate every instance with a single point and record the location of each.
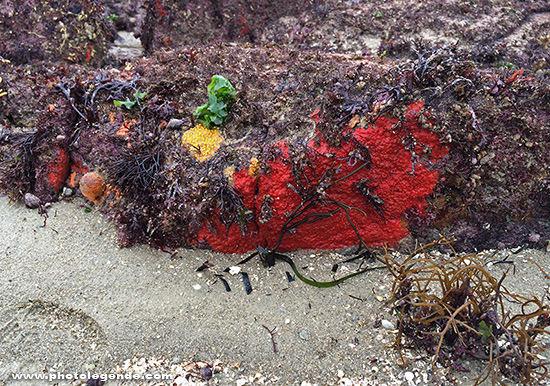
(68, 31)
(347, 195)
(497, 33)
(328, 143)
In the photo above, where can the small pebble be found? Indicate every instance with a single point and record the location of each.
(409, 377)
(174, 124)
(206, 373)
(31, 201)
(67, 192)
(388, 325)
(234, 270)
(197, 287)
(95, 382)
(534, 238)
(303, 334)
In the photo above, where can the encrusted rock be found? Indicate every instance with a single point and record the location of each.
(92, 186)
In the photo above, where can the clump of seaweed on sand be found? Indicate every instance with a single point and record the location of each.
(452, 307)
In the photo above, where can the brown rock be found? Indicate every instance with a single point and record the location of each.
(92, 186)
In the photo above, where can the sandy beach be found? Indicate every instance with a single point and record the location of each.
(73, 301)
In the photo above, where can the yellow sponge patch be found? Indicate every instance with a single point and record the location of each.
(202, 142)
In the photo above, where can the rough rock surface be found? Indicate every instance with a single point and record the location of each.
(349, 194)
(69, 31)
(485, 100)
